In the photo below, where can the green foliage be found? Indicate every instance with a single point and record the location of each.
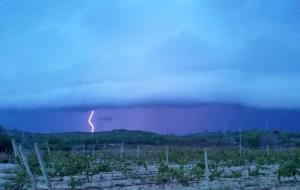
(34, 164)
(19, 182)
(253, 140)
(102, 167)
(198, 171)
(256, 172)
(179, 175)
(5, 142)
(179, 156)
(67, 164)
(234, 174)
(163, 175)
(142, 163)
(73, 183)
(21, 179)
(123, 166)
(215, 172)
(288, 169)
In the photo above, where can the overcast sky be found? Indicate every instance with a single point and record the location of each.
(57, 54)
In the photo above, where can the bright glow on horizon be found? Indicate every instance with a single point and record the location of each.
(90, 122)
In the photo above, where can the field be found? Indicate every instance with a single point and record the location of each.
(161, 167)
(273, 164)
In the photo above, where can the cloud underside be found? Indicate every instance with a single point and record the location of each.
(267, 91)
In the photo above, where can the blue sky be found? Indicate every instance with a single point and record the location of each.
(56, 54)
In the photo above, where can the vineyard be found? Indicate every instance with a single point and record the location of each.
(127, 166)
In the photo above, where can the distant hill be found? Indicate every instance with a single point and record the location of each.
(250, 138)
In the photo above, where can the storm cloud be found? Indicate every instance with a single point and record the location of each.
(60, 54)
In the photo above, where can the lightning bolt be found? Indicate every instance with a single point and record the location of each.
(90, 122)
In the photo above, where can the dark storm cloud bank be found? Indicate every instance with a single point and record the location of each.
(273, 91)
(163, 119)
(135, 53)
